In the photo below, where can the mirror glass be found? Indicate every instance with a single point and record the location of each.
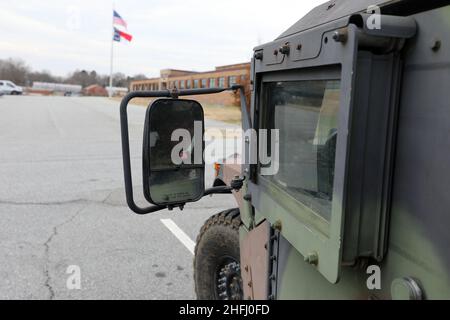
(173, 164)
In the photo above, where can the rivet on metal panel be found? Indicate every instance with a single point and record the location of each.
(436, 45)
(259, 55)
(278, 225)
(312, 258)
(285, 49)
(340, 36)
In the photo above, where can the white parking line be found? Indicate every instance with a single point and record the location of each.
(177, 232)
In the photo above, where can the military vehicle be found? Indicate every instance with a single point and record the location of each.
(358, 207)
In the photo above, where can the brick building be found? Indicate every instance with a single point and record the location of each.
(95, 91)
(221, 77)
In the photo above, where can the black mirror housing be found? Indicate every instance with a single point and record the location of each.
(173, 164)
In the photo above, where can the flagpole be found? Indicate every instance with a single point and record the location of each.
(112, 57)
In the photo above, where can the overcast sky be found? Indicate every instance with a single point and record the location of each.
(63, 35)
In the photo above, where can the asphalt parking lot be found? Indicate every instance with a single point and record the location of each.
(62, 205)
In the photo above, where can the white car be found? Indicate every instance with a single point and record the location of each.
(8, 87)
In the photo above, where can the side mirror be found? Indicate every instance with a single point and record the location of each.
(173, 165)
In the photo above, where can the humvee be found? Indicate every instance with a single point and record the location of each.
(356, 97)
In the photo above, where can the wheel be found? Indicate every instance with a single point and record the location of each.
(217, 271)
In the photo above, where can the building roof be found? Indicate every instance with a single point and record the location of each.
(233, 66)
(217, 69)
(178, 70)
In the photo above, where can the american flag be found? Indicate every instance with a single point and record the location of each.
(118, 20)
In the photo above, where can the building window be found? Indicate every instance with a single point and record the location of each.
(182, 84)
(212, 83)
(222, 82)
(188, 84)
(243, 77)
(232, 80)
(203, 83)
(196, 83)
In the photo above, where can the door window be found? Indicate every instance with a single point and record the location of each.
(306, 115)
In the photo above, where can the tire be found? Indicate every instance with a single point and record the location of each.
(217, 258)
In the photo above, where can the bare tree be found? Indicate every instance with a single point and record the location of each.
(18, 72)
(138, 77)
(120, 80)
(14, 70)
(42, 76)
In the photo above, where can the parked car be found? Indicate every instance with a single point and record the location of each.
(8, 87)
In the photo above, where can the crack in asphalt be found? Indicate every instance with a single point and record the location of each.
(47, 243)
(48, 279)
(55, 203)
(62, 203)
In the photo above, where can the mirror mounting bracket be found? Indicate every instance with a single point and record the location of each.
(174, 94)
(237, 183)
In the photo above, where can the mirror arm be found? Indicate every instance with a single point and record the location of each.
(126, 141)
(246, 119)
(218, 190)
